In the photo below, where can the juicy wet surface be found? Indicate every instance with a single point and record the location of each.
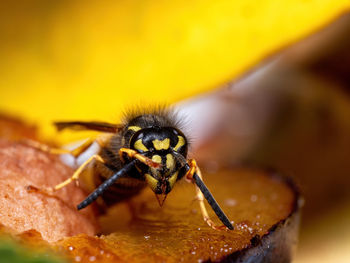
(141, 231)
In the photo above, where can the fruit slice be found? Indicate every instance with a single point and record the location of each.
(263, 206)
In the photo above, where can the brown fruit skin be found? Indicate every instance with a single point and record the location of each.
(54, 217)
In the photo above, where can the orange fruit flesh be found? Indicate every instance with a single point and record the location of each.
(140, 230)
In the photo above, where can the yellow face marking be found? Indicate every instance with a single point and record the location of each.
(170, 161)
(151, 181)
(134, 128)
(140, 146)
(161, 145)
(156, 158)
(172, 179)
(180, 143)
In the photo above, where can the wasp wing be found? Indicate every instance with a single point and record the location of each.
(92, 125)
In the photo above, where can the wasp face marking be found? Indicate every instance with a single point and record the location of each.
(140, 146)
(156, 158)
(162, 140)
(134, 128)
(181, 142)
(170, 162)
(152, 182)
(172, 179)
(161, 144)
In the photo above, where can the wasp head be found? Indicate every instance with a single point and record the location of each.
(164, 145)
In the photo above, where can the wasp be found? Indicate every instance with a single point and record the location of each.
(147, 149)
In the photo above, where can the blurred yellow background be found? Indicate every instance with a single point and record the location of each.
(63, 60)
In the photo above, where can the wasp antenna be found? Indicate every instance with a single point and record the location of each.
(212, 202)
(105, 185)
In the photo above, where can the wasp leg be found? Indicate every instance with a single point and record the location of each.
(75, 152)
(79, 171)
(82, 148)
(194, 175)
(50, 190)
(74, 177)
(135, 155)
(106, 184)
